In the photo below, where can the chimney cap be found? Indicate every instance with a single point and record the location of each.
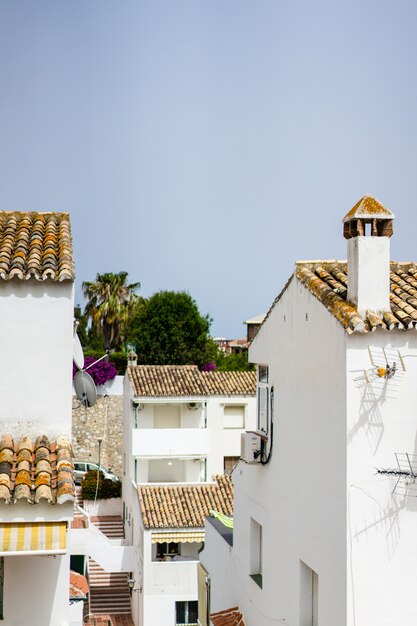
(368, 208)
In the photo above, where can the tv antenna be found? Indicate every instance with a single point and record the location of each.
(387, 363)
(84, 385)
(405, 473)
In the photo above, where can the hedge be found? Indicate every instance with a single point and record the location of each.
(106, 488)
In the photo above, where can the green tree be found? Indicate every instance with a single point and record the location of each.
(170, 330)
(110, 302)
(237, 362)
(82, 330)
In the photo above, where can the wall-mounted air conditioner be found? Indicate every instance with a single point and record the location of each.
(252, 444)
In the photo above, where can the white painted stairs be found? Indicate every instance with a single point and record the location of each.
(109, 592)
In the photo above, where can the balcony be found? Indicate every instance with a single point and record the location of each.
(173, 577)
(170, 442)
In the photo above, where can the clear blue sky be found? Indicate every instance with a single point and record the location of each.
(205, 145)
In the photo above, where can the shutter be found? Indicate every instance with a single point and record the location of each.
(314, 599)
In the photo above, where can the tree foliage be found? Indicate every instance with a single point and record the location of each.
(106, 487)
(110, 301)
(169, 329)
(237, 362)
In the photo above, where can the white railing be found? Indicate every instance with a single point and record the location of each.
(113, 555)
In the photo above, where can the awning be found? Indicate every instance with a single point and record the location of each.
(33, 538)
(178, 537)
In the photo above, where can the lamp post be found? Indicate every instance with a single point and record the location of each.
(100, 439)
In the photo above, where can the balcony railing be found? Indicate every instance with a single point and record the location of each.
(170, 442)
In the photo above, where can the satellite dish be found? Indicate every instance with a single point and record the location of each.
(77, 353)
(85, 388)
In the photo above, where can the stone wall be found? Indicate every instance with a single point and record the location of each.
(105, 420)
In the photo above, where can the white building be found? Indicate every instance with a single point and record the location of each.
(36, 483)
(320, 537)
(181, 426)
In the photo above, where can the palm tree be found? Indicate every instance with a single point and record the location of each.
(110, 301)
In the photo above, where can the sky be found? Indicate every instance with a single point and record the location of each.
(205, 145)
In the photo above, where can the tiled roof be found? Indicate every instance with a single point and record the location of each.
(188, 380)
(36, 472)
(184, 506)
(327, 281)
(78, 587)
(229, 617)
(35, 245)
(230, 383)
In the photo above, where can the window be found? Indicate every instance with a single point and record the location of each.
(77, 563)
(263, 398)
(256, 552)
(164, 550)
(234, 416)
(309, 595)
(186, 613)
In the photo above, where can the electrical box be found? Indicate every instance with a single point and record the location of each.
(251, 446)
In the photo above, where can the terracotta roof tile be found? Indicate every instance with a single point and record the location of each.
(188, 380)
(38, 471)
(184, 506)
(35, 245)
(327, 281)
(229, 617)
(78, 587)
(229, 383)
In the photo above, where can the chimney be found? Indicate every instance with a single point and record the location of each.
(368, 228)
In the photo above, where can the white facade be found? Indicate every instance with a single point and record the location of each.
(194, 434)
(336, 545)
(173, 440)
(36, 344)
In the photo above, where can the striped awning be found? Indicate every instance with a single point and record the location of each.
(33, 538)
(178, 537)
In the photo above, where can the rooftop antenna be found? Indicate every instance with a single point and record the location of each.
(386, 364)
(405, 473)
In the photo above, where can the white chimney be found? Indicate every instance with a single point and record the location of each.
(368, 228)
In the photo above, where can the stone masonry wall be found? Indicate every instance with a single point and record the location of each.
(104, 419)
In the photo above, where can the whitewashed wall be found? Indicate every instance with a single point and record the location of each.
(190, 437)
(28, 581)
(382, 537)
(299, 497)
(226, 441)
(36, 346)
(165, 583)
(217, 560)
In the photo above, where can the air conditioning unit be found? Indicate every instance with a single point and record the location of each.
(252, 444)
